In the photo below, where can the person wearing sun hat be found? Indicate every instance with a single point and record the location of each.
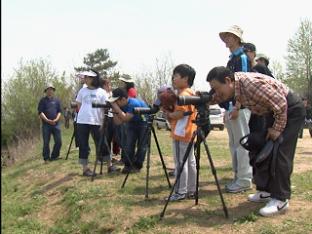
(236, 118)
(128, 84)
(49, 110)
(262, 59)
(90, 120)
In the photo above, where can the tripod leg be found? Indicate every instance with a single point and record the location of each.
(71, 142)
(148, 163)
(188, 150)
(130, 161)
(197, 170)
(214, 172)
(161, 157)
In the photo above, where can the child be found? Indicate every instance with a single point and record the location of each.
(182, 129)
(89, 119)
(136, 128)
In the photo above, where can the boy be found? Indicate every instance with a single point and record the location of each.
(136, 127)
(182, 129)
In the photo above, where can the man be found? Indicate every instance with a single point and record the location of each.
(236, 119)
(271, 98)
(49, 110)
(136, 127)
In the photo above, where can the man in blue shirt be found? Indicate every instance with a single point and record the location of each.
(136, 126)
(49, 110)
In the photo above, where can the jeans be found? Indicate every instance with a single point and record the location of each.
(83, 132)
(47, 130)
(136, 136)
(121, 138)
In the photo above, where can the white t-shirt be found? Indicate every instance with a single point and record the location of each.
(87, 114)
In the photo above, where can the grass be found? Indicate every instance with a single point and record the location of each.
(55, 198)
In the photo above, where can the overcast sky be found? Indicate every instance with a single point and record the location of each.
(136, 32)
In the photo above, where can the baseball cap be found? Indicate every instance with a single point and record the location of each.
(116, 94)
(249, 47)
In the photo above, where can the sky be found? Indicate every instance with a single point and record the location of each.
(137, 32)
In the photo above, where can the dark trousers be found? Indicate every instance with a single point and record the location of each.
(47, 131)
(279, 184)
(83, 132)
(121, 139)
(136, 138)
(76, 135)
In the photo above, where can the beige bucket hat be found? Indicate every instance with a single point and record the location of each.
(234, 29)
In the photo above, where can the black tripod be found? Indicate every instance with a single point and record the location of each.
(100, 150)
(202, 120)
(73, 136)
(150, 128)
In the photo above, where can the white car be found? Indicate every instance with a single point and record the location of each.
(161, 122)
(216, 117)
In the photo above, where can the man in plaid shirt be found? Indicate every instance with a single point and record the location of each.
(284, 112)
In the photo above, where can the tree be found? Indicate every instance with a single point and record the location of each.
(148, 83)
(299, 60)
(101, 62)
(21, 95)
(277, 70)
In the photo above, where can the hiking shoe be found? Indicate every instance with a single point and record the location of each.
(88, 173)
(177, 197)
(274, 207)
(260, 196)
(113, 169)
(236, 188)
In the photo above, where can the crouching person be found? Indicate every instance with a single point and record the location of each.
(267, 97)
(136, 127)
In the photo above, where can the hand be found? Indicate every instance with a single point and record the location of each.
(272, 134)
(234, 114)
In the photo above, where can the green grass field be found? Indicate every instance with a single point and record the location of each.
(55, 198)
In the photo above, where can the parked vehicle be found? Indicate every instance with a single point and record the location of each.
(216, 117)
(161, 122)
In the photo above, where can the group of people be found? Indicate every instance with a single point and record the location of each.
(257, 107)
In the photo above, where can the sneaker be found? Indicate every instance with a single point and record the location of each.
(236, 188)
(274, 207)
(259, 196)
(230, 184)
(113, 169)
(46, 161)
(177, 197)
(88, 173)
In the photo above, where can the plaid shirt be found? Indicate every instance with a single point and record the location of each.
(262, 95)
